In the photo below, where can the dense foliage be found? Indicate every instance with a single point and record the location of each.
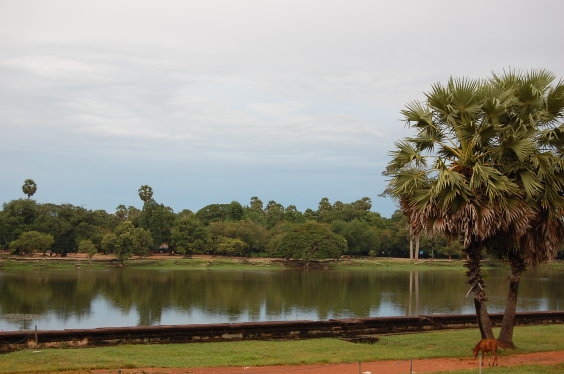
(225, 229)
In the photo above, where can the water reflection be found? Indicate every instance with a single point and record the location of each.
(125, 297)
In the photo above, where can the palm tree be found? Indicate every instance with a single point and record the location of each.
(29, 187)
(145, 193)
(535, 113)
(121, 212)
(471, 170)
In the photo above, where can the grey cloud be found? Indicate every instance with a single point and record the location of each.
(269, 85)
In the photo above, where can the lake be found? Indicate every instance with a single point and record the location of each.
(128, 297)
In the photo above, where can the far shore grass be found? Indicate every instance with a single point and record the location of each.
(202, 262)
(452, 343)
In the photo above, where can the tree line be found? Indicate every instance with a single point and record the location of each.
(233, 229)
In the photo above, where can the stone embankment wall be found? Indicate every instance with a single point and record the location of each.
(283, 330)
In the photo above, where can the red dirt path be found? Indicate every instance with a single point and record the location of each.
(376, 367)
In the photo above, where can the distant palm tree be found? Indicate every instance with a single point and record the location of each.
(477, 169)
(29, 187)
(121, 212)
(145, 193)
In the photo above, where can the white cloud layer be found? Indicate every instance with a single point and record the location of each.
(222, 100)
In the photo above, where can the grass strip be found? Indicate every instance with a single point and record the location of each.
(226, 263)
(520, 369)
(455, 343)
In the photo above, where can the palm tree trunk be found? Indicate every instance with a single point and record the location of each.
(417, 247)
(417, 309)
(476, 282)
(411, 248)
(410, 293)
(518, 266)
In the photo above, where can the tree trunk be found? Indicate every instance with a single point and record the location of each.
(518, 266)
(417, 247)
(410, 293)
(411, 248)
(476, 282)
(417, 309)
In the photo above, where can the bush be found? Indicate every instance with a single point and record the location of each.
(310, 241)
(231, 247)
(87, 246)
(30, 241)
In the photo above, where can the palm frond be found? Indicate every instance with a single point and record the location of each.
(405, 155)
(415, 114)
(406, 181)
(448, 186)
(520, 147)
(555, 102)
(497, 150)
(539, 80)
(466, 98)
(531, 183)
(552, 137)
(439, 99)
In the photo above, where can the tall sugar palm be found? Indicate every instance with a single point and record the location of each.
(533, 125)
(145, 193)
(29, 187)
(465, 172)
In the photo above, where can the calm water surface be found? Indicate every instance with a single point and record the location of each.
(129, 297)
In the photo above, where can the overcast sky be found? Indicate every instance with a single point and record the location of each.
(218, 100)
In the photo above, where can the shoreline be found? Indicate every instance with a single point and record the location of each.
(203, 262)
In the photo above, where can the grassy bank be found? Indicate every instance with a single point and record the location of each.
(173, 263)
(80, 261)
(255, 353)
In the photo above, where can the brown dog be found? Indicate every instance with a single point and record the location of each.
(487, 346)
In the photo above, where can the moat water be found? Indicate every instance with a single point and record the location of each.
(130, 297)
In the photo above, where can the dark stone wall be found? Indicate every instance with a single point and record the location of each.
(282, 330)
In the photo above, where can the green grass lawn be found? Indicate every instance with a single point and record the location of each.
(15, 264)
(219, 263)
(456, 343)
(522, 369)
(397, 264)
(174, 263)
(9, 262)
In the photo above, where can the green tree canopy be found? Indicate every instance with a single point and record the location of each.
(31, 241)
(17, 217)
(213, 213)
(158, 220)
(189, 235)
(311, 241)
(256, 204)
(109, 243)
(362, 239)
(254, 235)
(130, 240)
(231, 247)
(87, 246)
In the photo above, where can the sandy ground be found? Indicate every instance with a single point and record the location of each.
(376, 367)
